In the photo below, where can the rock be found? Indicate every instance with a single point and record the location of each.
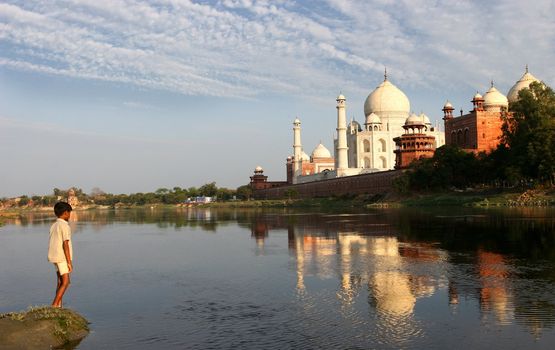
(41, 328)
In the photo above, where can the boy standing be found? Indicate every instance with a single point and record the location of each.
(60, 250)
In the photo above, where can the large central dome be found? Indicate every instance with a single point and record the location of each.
(386, 98)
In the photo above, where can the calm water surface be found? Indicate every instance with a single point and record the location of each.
(251, 279)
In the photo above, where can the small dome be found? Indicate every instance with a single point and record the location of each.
(477, 96)
(414, 119)
(354, 126)
(321, 152)
(448, 105)
(425, 119)
(524, 82)
(340, 97)
(373, 118)
(258, 169)
(386, 98)
(305, 157)
(493, 98)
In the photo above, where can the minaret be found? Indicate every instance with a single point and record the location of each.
(297, 150)
(341, 161)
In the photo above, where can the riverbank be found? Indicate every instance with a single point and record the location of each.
(42, 328)
(468, 198)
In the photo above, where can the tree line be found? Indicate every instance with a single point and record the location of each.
(175, 195)
(525, 155)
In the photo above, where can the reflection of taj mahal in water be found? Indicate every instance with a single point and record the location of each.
(395, 273)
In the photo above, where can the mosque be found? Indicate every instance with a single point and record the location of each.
(481, 128)
(391, 137)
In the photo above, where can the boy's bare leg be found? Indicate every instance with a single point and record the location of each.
(63, 283)
(58, 284)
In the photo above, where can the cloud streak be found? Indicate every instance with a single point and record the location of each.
(248, 48)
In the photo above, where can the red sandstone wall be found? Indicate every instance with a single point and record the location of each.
(375, 183)
(484, 130)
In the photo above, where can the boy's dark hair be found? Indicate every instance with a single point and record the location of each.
(61, 207)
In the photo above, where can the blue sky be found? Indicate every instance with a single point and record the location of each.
(130, 95)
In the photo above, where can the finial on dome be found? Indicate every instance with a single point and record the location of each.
(385, 74)
(491, 82)
(526, 68)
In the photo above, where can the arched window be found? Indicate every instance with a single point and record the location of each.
(366, 162)
(382, 145)
(459, 138)
(366, 146)
(465, 137)
(384, 162)
(453, 138)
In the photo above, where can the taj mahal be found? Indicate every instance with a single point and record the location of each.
(392, 137)
(361, 148)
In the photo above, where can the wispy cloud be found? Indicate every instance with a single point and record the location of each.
(245, 48)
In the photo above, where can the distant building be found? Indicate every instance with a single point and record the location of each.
(259, 181)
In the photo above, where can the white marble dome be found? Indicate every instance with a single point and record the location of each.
(493, 98)
(425, 119)
(386, 98)
(414, 119)
(321, 152)
(305, 157)
(478, 96)
(373, 118)
(258, 169)
(522, 83)
(448, 105)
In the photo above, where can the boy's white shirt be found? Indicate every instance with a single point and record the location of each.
(59, 232)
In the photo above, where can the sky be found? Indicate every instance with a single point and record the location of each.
(131, 96)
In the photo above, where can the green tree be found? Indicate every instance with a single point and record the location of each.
(449, 167)
(244, 192)
(209, 189)
(529, 134)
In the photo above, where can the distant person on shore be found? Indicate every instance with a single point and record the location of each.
(60, 250)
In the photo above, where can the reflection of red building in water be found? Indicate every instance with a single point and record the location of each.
(495, 294)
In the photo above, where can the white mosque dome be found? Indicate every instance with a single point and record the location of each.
(340, 97)
(478, 96)
(321, 152)
(373, 118)
(305, 157)
(493, 98)
(448, 105)
(258, 169)
(414, 119)
(386, 98)
(425, 119)
(524, 82)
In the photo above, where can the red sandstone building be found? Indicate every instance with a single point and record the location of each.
(259, 181)
(414, 143)
(480, 130)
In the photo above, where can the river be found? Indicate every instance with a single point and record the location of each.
(288, 279)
